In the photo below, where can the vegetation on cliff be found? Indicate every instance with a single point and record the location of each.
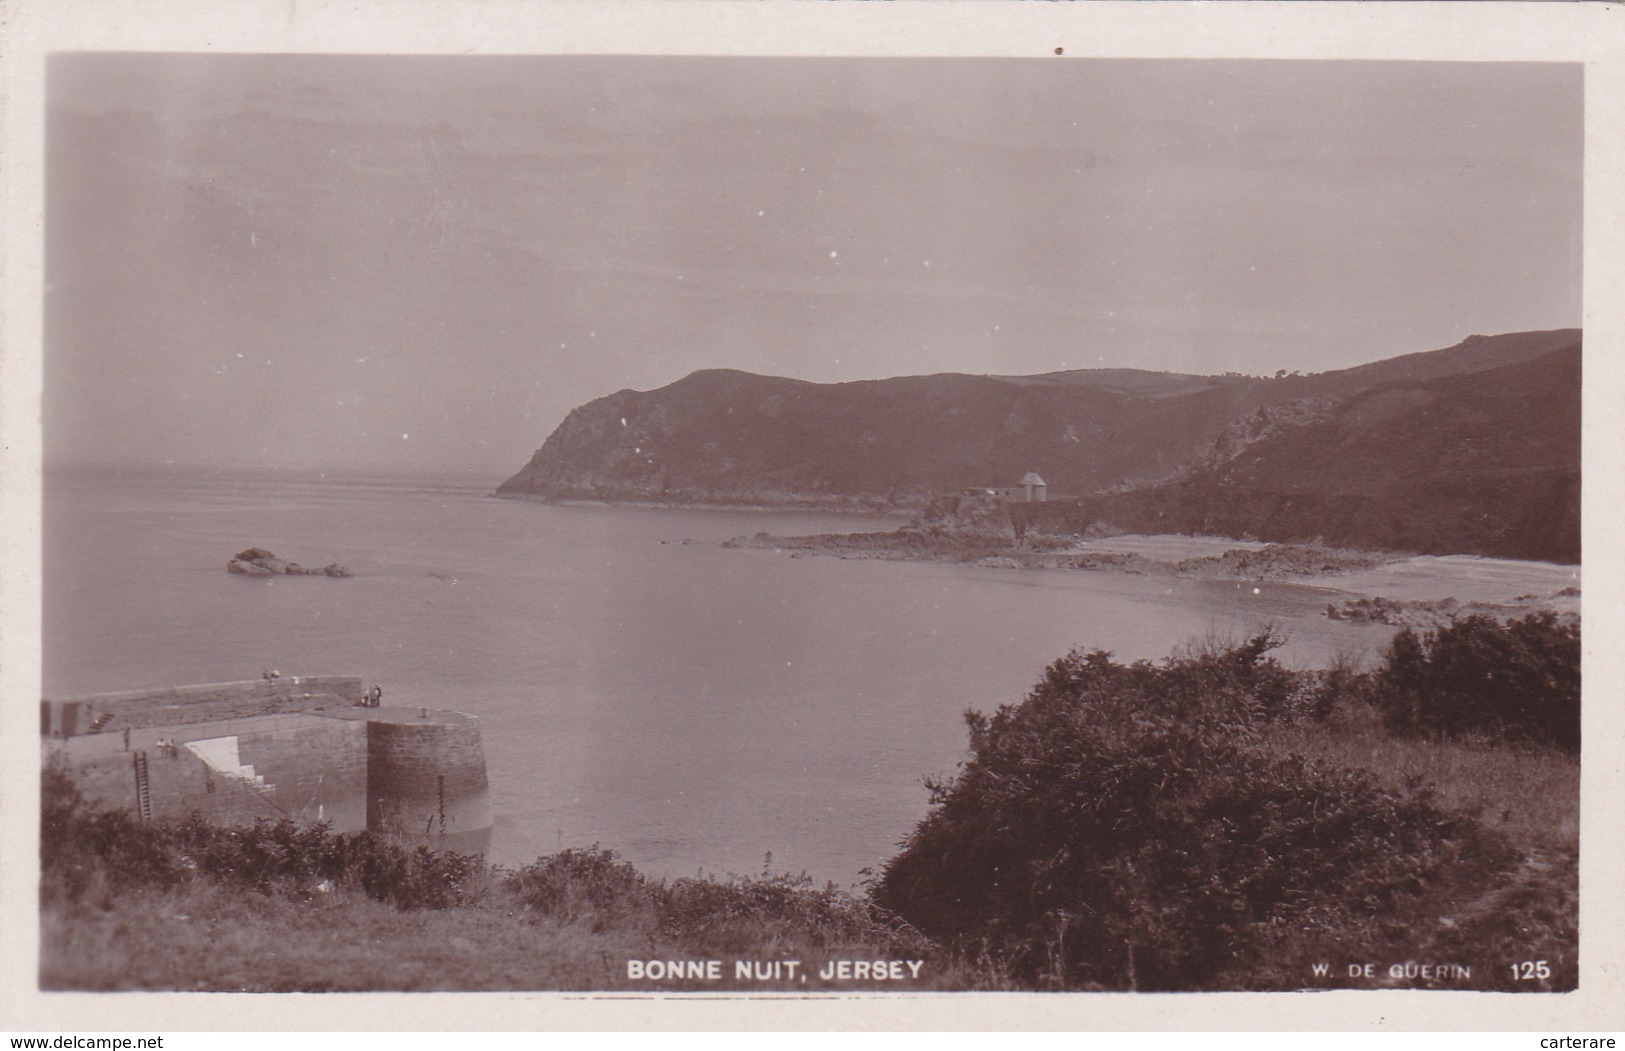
(1477, 676)
(1472, 449)
(1212, 821)
(1487, 464)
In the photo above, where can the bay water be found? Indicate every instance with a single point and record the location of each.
(693, 707)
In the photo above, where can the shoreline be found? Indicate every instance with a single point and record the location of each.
(889, 511)
(1393, 588)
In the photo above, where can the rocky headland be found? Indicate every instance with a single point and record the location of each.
(1472, 449)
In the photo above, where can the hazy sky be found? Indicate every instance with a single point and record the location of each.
(358, 262)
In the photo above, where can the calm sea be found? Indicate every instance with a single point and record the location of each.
(692, 707)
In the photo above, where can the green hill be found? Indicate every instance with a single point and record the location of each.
(1486, 463)
(1473, 448)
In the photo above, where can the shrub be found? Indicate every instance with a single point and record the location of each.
(741, 914)
(1119, 830)
(1341, 696)
(590, 885)
(86, 854)
(1517, 680)
(737, 913)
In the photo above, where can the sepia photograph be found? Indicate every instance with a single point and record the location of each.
(815, 525)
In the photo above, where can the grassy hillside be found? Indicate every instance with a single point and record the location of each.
(1473, 354)
(1487, 463)
(1189, 825)
(274, 907)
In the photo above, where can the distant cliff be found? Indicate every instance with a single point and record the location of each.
(1486, 463)
(1460, 425)
(727, 436)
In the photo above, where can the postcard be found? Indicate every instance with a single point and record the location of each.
(841, 516)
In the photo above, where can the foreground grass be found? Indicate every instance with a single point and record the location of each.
(1527, 914)
(1528, 792)
(205, 936)
(210, 937)
(206, 933)
(276, 907)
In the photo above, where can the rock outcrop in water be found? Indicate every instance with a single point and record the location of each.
(258, 562)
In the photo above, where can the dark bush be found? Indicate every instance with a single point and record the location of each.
(591, 885)
(84, 851)
(740, 913)
(1341, 694)
(1120, 829)
(1519, 680)
(736, 913)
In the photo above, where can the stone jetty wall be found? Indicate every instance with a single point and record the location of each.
(416, 773)
(426, 778)
(175, 705)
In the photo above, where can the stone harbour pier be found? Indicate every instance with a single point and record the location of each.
(303, 747)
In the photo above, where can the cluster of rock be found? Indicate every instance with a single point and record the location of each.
(1439, 613)
(972, 517)
(1282, 562)
(258, 562)
(1379, 610)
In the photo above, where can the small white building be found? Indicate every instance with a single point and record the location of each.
(1031, 489)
